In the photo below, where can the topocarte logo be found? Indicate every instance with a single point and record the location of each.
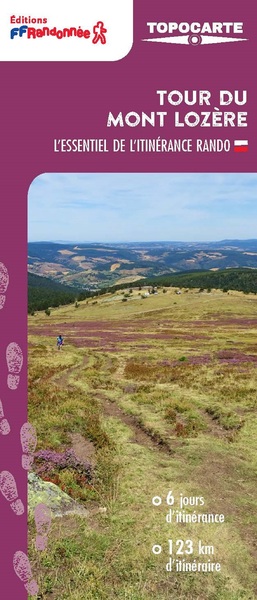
(25, 30)
(193, 33)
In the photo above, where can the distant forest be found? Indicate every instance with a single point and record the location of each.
(244, 280)
(44, 293)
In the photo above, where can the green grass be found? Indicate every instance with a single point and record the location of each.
(202, 415)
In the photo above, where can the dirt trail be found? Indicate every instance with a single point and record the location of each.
(140, 435)
(83, 448)
(63, 379)
(119, 373)
(110, 409)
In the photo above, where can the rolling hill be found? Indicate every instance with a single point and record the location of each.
(44, 292)
(244, 280)
(91, 266)
(148, 411)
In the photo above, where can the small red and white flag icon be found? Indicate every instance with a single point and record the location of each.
(241, 145)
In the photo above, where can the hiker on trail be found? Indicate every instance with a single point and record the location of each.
(59, 341)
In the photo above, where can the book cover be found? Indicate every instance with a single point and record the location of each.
(128, 301)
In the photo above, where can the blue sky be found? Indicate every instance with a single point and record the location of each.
(108, 207)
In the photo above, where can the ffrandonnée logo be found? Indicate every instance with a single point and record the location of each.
(68, 31)
(194, 34)
(25, 27)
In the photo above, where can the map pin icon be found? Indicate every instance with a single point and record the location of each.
(22, 569)
(9, 490)
(42, 515)
(28, 437)
(14, 359)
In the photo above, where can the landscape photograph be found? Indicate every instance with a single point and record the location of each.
(142, 379)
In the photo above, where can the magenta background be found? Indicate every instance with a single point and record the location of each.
(43, 101)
